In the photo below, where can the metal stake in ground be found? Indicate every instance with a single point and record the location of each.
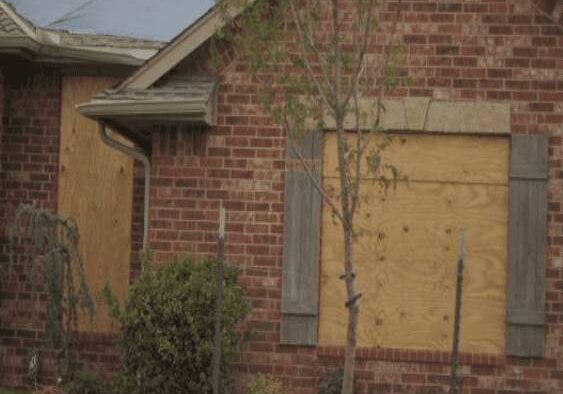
(454, 384)
(216, 378)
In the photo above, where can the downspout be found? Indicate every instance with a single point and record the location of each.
(140, 155)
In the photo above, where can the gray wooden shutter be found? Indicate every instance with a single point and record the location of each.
(301, 244)
(527, 239)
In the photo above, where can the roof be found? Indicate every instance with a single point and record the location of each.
(20, 37)
(156, 20)
(146, 96)
(183, 98)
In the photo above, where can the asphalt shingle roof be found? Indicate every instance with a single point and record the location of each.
(89, 40)
(19, 34)
(150, 19)
(176, 89)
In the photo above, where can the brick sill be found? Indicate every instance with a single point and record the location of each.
(425, 356)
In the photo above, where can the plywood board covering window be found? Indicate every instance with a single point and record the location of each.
(406, 248)
(95, 188)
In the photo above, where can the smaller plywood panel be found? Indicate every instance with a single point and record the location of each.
(405, 252)
(95, 188)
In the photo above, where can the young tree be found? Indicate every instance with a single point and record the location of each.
(53, 243)
(316, 63)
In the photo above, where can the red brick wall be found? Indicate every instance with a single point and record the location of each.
(480, 50)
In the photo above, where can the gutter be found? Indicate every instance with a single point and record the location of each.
(137, 154)
(58, 53)
(54, 53)
(194, 108)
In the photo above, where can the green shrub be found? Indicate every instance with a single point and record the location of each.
(263, 384)
(84, 382)
(167, 328)
(331, 382)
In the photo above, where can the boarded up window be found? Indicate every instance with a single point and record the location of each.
(95, 188)
(406, 250)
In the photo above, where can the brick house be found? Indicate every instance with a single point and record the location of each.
(43, 74)
(483, 118)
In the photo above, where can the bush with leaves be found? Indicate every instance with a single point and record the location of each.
(166, 335)
(53, 245)
(85, 382)
(331, 382)
(264, 384)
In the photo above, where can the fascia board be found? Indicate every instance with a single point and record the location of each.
(55, 53)
(18, 20)
(179, 49)
(19, 43)
(181, 109)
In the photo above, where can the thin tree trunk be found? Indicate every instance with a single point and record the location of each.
(349, 275)
(353, 311)
(217, 351)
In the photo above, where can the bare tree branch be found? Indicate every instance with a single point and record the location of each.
(306, 42)
(305, 33)
(551, 17)
(362, 53)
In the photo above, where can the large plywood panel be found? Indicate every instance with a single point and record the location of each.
(95, 188)
(406, 248)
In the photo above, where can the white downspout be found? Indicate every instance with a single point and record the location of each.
(143, 158)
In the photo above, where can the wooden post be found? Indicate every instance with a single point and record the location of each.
(454, 384)
(216, 377)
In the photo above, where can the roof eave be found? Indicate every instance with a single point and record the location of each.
(11, 43)
(60, 54)
(52, 53)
